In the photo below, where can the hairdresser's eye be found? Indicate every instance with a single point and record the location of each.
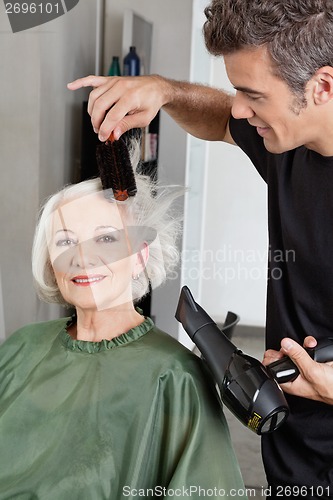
(252, 97)
(65, 242)
(107, 238)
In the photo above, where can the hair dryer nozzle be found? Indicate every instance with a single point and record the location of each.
(190, 314)
(215, 347)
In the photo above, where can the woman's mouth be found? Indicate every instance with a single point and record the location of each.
(87, 280)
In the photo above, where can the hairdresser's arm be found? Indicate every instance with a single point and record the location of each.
(315, 380)
(121, 103)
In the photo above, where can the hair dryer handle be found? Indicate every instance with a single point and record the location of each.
(284, 370)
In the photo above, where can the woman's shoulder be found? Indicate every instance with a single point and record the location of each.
(170, 353)
(24, 348)
(164, 341)
(34, 333)
(180, 369)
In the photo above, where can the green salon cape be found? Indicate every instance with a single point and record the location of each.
(127, 418)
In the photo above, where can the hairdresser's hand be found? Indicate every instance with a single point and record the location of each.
(121, 103)
(315, 380)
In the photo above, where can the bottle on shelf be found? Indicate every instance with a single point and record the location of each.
(132, 63)
(114, 69)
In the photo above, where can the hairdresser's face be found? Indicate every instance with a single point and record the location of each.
(268, 103)
(90, 253)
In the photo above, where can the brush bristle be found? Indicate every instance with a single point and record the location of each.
(115, 169)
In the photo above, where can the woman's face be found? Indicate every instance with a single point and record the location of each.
(91, 256)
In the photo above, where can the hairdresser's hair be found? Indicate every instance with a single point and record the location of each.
(151, 207)
(297, 33)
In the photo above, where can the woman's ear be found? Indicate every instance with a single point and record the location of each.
(141, 259)
(323, 85)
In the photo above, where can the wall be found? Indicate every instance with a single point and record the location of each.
(39, 141)
(225, 233)
(171, 56)
(235, 234)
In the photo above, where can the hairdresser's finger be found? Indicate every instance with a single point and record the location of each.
(309, 342)
(87, 81)
(112, 101)
(127, 111)
(101, 105)
(132, 120)
(103, 97)
(140, 97)
(140, 120)
(270, 356)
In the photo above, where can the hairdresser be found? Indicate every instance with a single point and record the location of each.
(279, 58)
(104, 405)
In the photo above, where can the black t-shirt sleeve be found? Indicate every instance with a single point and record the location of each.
(247, 138)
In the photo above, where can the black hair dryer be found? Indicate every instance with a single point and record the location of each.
(247, 387)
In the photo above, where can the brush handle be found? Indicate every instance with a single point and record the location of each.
(111, 137)
(119, 195)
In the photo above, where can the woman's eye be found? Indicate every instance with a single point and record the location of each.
(65, 243)
(106, 238)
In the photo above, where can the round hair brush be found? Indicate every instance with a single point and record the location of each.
(115, 168)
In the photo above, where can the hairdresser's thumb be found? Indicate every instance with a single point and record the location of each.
(139, 119)
(297, 354)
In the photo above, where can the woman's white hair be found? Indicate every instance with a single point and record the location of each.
(152, 207)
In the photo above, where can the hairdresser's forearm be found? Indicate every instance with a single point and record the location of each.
(202, 111)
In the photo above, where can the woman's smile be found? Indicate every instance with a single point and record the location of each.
(87, 280)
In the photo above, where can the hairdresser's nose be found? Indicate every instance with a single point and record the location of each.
(85, 255)
(241, 108)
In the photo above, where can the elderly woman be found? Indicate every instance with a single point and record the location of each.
(104, 405)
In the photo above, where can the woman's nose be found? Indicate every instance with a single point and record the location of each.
(240, 108)
(85, 255)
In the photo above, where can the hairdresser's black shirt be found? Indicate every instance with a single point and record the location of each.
(300, 297)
